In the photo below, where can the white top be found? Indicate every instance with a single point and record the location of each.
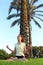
(20, 49)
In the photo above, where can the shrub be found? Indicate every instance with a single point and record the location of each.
(3, 54)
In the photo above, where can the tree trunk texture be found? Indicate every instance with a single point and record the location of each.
(24, 27)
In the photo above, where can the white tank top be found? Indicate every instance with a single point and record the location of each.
(20, 49)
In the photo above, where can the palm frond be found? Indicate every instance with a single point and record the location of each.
(17, 5)
(36, 22)
(34, 1)
(10, 9)
(41, 5)
(15, 22)
(38, 18)
(31, 2)
(19, 22)
(13, 5)
(18, 8)
(39, 11)
(13, 15)
(39, 14)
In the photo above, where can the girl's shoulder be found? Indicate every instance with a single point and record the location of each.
(24, 43)
(16, 44)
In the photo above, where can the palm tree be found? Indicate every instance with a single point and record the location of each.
(33, 14)
(18, 5)
(27, 12)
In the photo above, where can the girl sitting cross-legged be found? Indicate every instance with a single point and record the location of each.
(20, 49)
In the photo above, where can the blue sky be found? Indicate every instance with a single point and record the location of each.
(9, 35)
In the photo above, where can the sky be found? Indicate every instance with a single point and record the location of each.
(8, 36)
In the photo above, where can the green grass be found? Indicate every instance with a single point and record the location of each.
(38, 61)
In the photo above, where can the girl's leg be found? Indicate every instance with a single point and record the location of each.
(12, 58)
(24, 59)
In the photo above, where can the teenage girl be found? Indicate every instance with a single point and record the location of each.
(20, 48)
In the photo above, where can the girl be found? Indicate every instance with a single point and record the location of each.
(20, 48)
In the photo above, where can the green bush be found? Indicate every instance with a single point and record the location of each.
(12, 55)
(3, 54)
(37, 51)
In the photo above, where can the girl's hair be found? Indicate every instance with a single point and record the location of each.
(22, 38)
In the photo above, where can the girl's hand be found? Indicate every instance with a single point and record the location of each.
(9, 49)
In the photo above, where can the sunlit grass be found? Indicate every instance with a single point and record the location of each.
(38, 61)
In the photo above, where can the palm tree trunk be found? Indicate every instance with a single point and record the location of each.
(30, 41)
(24, 24)
(24, 27)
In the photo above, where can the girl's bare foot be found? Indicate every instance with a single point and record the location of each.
(24, 59)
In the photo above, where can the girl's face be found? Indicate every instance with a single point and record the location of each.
(19, 38)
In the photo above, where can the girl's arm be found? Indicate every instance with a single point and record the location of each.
(10, 49)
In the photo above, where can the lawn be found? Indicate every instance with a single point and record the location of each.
(38, 61)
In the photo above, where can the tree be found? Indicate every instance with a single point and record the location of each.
(27, 12)
(23, 18)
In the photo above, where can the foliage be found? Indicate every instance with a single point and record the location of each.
(32, 11)
(37, 51)
(3, 54)
(12, 55)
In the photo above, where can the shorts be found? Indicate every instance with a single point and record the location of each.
(20, 57)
